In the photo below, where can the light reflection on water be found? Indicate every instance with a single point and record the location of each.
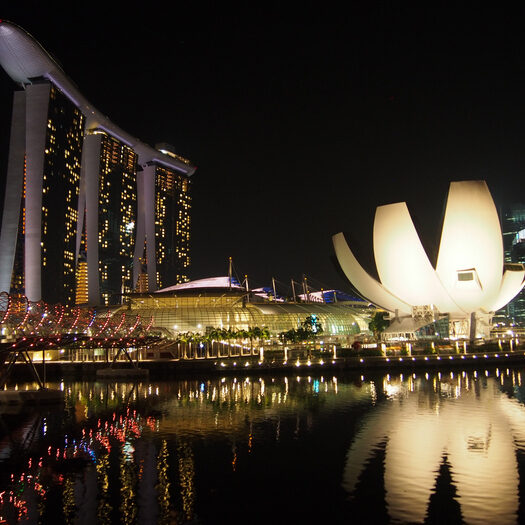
(285, 448)
(470, 425)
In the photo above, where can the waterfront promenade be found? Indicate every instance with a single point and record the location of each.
(318, 361)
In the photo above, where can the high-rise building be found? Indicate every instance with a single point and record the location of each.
(109, 169)
(513, 227)
(167, 205)
(85, 202)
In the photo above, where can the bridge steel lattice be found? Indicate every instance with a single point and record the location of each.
(27, 326)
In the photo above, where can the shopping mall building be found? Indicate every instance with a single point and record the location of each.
(219, 303)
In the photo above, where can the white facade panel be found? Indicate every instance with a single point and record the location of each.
(13, 193)
(149, 225)
(402, 263)
(471, 240)
(90, 172)
(511, 285)
(364, 282)
(468, 283)
(140, 228)
(37, 103)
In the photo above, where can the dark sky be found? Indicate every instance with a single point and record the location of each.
(302, 121)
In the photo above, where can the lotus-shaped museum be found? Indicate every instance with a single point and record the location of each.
(470, 281)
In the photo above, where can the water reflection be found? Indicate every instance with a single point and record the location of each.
(459, 423)
(107, 457)
(202, 451)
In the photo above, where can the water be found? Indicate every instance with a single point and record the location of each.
(423, 448)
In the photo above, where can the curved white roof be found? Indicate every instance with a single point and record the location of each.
(24, 59)
(469, 276)
(210, 282)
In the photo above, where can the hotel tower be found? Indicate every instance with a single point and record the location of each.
(90, 212)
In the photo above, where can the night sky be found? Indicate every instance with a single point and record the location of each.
(301, 121)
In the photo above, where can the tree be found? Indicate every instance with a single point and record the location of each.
(253, 332)
(186, 339)
(312, 326)
(378, 324)
(256, 332)
(290, 336)
(265, 333)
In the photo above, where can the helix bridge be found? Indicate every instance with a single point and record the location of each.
(27, 326)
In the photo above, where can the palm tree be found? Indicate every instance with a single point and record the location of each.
(215, 334)
(252, 333)
(242, 335)
(201, 341)
(378, 324)
(258, 333)
(186, 338)
(225, 334)
(265, 333)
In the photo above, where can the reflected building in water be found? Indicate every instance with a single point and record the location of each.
(117, 463)
(465, 425)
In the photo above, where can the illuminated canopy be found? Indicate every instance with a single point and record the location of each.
(470, 275)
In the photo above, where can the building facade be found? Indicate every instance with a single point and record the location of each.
(204, 305)
(89, 209)
(164, 242)
(513, 226)
(471, 280)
